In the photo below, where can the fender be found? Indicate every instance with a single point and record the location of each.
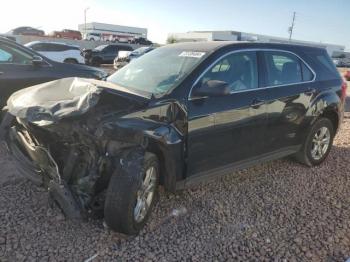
(326, 101)
(159, 130)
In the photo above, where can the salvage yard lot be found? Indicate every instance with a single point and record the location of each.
(278, 210)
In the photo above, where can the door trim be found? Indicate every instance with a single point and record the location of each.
(225, 170)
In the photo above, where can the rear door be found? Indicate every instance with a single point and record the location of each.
(290, 89)
(110, 52)
(227, 129)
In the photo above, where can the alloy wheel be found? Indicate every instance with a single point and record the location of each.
(320, 143)
(145, 194)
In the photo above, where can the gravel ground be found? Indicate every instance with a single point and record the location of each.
(276, 211)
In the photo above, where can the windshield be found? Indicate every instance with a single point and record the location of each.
(158, 71)
(99, 48)
(140, 50)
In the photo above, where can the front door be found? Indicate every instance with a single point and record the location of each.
(227, 129)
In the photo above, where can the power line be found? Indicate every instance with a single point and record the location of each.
(290, 29)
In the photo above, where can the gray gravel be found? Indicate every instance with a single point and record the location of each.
(275, 211)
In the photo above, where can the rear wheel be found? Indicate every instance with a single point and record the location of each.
(130, 199)
(318, 143)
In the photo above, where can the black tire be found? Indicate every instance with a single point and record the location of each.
(96, 61)
(304, 156)
(121, 199)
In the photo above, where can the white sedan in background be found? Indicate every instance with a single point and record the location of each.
(60, 52)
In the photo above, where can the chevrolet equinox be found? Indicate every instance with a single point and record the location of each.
(174, 117)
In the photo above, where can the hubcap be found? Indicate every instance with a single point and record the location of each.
(145, 194)
(320, 143)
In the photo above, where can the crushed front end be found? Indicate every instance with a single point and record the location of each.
(71, 147)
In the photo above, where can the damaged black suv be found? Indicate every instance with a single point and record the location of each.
(173, 117)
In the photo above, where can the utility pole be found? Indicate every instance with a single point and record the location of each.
(291, 28)
(85, 10)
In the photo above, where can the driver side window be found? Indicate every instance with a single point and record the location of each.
(5, 56)
(238, 70)
(12, 55)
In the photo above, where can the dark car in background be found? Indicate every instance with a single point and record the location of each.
(124, 57)
(141, 41)
(103, 54)
(27, 30)
(21, 67)
(176, 116)
(67, 33)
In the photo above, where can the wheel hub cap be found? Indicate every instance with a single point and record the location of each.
(145, 194)
(320, 143)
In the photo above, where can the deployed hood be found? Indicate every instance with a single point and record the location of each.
(47, 103)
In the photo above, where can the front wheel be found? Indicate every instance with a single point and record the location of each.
(130, 197)
(318, 143)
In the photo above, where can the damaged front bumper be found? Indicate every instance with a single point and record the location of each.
(35, 163)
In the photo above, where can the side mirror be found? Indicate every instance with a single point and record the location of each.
(37, 60)
(212, 88)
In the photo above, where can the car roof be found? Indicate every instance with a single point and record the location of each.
(55, 43)
(215, 45)
(5, 39)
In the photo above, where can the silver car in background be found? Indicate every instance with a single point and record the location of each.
(125, 57)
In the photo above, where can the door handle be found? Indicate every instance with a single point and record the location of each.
(256, 103)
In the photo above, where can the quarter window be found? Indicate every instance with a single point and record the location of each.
(282, 68)
(239, 70)
(307, 74)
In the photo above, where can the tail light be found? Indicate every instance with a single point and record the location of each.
(344, 87)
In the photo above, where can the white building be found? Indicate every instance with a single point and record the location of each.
(196, 36)
(109, 29)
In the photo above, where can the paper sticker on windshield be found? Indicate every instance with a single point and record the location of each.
(192, 54)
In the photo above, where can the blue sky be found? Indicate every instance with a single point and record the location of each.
(323, 20)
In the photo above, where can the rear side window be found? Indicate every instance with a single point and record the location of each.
(327, 62)
(38, 47)
(59, 48)
(11, 55)
(282, 68)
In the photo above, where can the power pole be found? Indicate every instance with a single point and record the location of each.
(291, 28)
(85, 10)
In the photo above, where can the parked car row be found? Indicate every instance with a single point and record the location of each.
(65, 33)
(341, 59)
(176, 116)
(76, 35)
(27, 30)
(103, 54)
(117, 38)
(59, 52)
(21, 67)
